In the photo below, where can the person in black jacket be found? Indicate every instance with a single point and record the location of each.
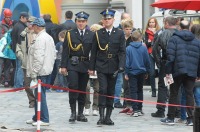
(183, 62)
(160, 44)
(17, 39)
(108, 59)
(75, 62)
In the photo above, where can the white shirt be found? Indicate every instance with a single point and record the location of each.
(109, 30)
(80, 31)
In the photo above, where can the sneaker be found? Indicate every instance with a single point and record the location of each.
(48, 90)
(167, 121)
(130, 112)
(125, 110)
(158, 114)
(181, 121)
(95, 112)
(41, 123)
(189, 122)
(87, 112)
(135, 114)
(30, 121)
(6, 84)
(140, 113)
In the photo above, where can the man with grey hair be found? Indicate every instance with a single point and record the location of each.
(183, 62)
(161, 44)
(41, 58)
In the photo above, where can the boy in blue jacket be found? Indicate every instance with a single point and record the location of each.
(136, 69)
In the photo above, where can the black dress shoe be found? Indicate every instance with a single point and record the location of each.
(100, 122)
(118, 105)
(158, 114)
(82, 118)
(108, 122)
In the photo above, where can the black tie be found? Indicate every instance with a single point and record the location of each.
(108, 33)
(81, 33)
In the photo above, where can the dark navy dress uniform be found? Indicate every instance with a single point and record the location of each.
(107, 57)
(75, 58)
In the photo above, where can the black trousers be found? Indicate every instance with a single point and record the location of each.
(162, 89)
(188, 85)
(126, 87)
(77, 81)
(106, 87)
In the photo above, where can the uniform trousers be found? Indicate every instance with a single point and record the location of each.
(106, 87)
(77, 81)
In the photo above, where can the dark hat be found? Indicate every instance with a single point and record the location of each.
(82, 15)
(39, 22)
(24, 14)
(108, 13)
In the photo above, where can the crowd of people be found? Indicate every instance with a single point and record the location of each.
(108, 58)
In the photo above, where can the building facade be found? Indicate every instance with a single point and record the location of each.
(140, 10)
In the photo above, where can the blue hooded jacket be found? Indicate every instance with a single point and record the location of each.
(183, 55)
(137, 59)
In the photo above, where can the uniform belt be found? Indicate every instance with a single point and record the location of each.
(109, 56)
(81, 58)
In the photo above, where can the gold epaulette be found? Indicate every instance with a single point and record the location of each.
(106, 47)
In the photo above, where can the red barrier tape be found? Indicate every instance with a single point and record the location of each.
(78, 91)
(16, 89)
(127, 99)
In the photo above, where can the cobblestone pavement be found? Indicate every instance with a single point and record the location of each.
(14, 112)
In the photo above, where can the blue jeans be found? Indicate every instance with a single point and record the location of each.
(197, 95)
(136, 90)
(118, 87)
(183, 102)
(152, 73)
(44, 108)
(62, 80)
(19, 74)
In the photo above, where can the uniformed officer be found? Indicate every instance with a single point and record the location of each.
(75, 62)
(107, 58)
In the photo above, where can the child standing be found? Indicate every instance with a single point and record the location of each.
(136, 69)
(60, 79)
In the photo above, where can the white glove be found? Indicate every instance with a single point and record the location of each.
(33, 82)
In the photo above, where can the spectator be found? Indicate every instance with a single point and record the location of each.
(183, 62)
(136, 70)
(28, 36)
(95, 81)
(17, 39)
(124, 15)
(160, 46)
(41, 58)
(119, 82)
(69, 24)
(5, 63)
(151, 28)
(60, 79)
(127, 26)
